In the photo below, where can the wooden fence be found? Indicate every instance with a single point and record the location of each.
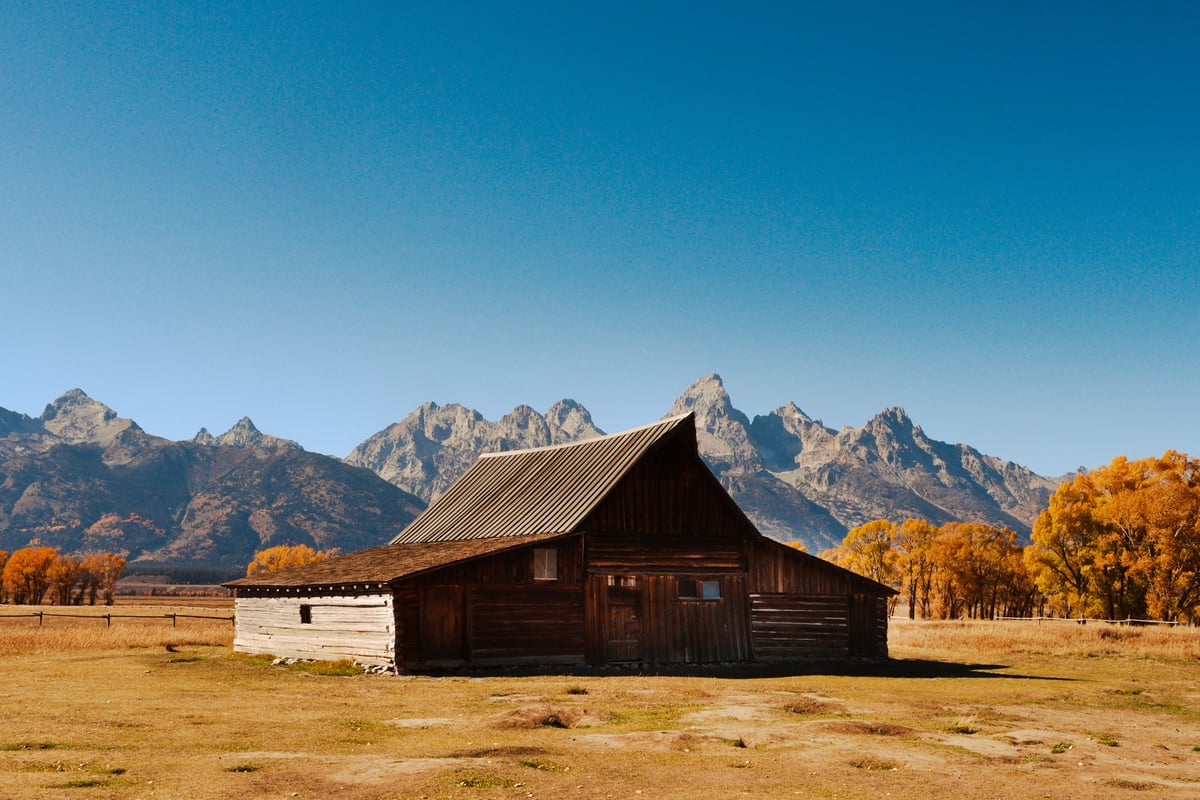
(109, 617)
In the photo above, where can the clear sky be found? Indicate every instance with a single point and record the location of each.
(321, 215)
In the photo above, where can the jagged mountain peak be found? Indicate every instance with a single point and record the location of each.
(244, 424)
(722, 431)
(76, 402)
(570, 422)
(243, 433)
(75, 418)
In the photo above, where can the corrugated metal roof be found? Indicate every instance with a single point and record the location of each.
(542, 490)
(382, 564)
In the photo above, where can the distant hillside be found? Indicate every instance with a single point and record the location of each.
(81, 478)
(797, 479)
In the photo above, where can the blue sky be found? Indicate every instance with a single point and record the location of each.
(321, 215)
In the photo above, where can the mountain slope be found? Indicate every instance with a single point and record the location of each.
(82, 478)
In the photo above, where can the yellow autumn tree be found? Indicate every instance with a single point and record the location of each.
(276, 558)
(868, 550)
(1124, 540)
(913, 542)
(27, 574)
(100, 574)
(66, 575)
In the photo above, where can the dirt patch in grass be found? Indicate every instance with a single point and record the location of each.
(856, 727)
(544, 717)
(812, 706)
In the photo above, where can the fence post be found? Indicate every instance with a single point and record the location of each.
(108, 620)
(41, 617)
(174, 620)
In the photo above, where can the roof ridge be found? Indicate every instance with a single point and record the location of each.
(666, 422)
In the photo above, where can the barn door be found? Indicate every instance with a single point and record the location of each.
(623, 621)
(442, 624)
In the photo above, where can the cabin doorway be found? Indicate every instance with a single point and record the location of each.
(442, 626)
(623, 620)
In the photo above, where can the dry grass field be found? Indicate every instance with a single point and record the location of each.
(964, 710)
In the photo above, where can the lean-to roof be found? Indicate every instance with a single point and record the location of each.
(539, 491)
(383, 564)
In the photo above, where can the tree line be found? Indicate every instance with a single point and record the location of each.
(29, 574)
(1118, 542)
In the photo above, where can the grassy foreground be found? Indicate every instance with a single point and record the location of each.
(964, 710)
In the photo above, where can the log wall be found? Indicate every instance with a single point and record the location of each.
(361, 628)
(797, 627)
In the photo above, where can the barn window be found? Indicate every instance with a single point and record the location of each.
(545, 564)
(692, 589)
(305, 614)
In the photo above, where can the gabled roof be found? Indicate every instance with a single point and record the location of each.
(381, 565)
(538, 491)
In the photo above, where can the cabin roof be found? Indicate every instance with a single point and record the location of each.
(538, 491)
(382, 564)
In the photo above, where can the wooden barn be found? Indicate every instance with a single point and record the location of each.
(624, 549)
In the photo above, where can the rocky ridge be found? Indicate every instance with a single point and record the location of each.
(796, 478)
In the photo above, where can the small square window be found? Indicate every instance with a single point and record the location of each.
(710, 590)
(545, 564)
(305, 614)
(687, 588)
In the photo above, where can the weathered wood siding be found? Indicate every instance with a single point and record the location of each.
(670, 629)
(803, 607)
(671, 491)
(526, 625)
(360, 627)
(631, 553)
(506, 615)
(796, 627)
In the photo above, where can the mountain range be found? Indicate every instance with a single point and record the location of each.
(82, 478)
(796, 479)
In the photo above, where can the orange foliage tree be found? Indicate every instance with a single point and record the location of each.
(100, 574)
(276, 558)
(66, 578)
(1124, 540)
(868, 550)
(26, 574)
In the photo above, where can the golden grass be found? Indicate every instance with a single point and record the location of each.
(21, 631)
(1055, 638)
(968, 710)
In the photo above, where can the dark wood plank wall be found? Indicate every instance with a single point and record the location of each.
(670, 491)
(630, 553)
(803, 608)
(526, 625)
(672, 630)
(776, 568)
(793, 627)
(505, 615)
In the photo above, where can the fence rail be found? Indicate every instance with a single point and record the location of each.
(1085, 620)
(109, 617)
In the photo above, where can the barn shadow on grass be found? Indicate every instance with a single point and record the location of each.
(887, 668)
